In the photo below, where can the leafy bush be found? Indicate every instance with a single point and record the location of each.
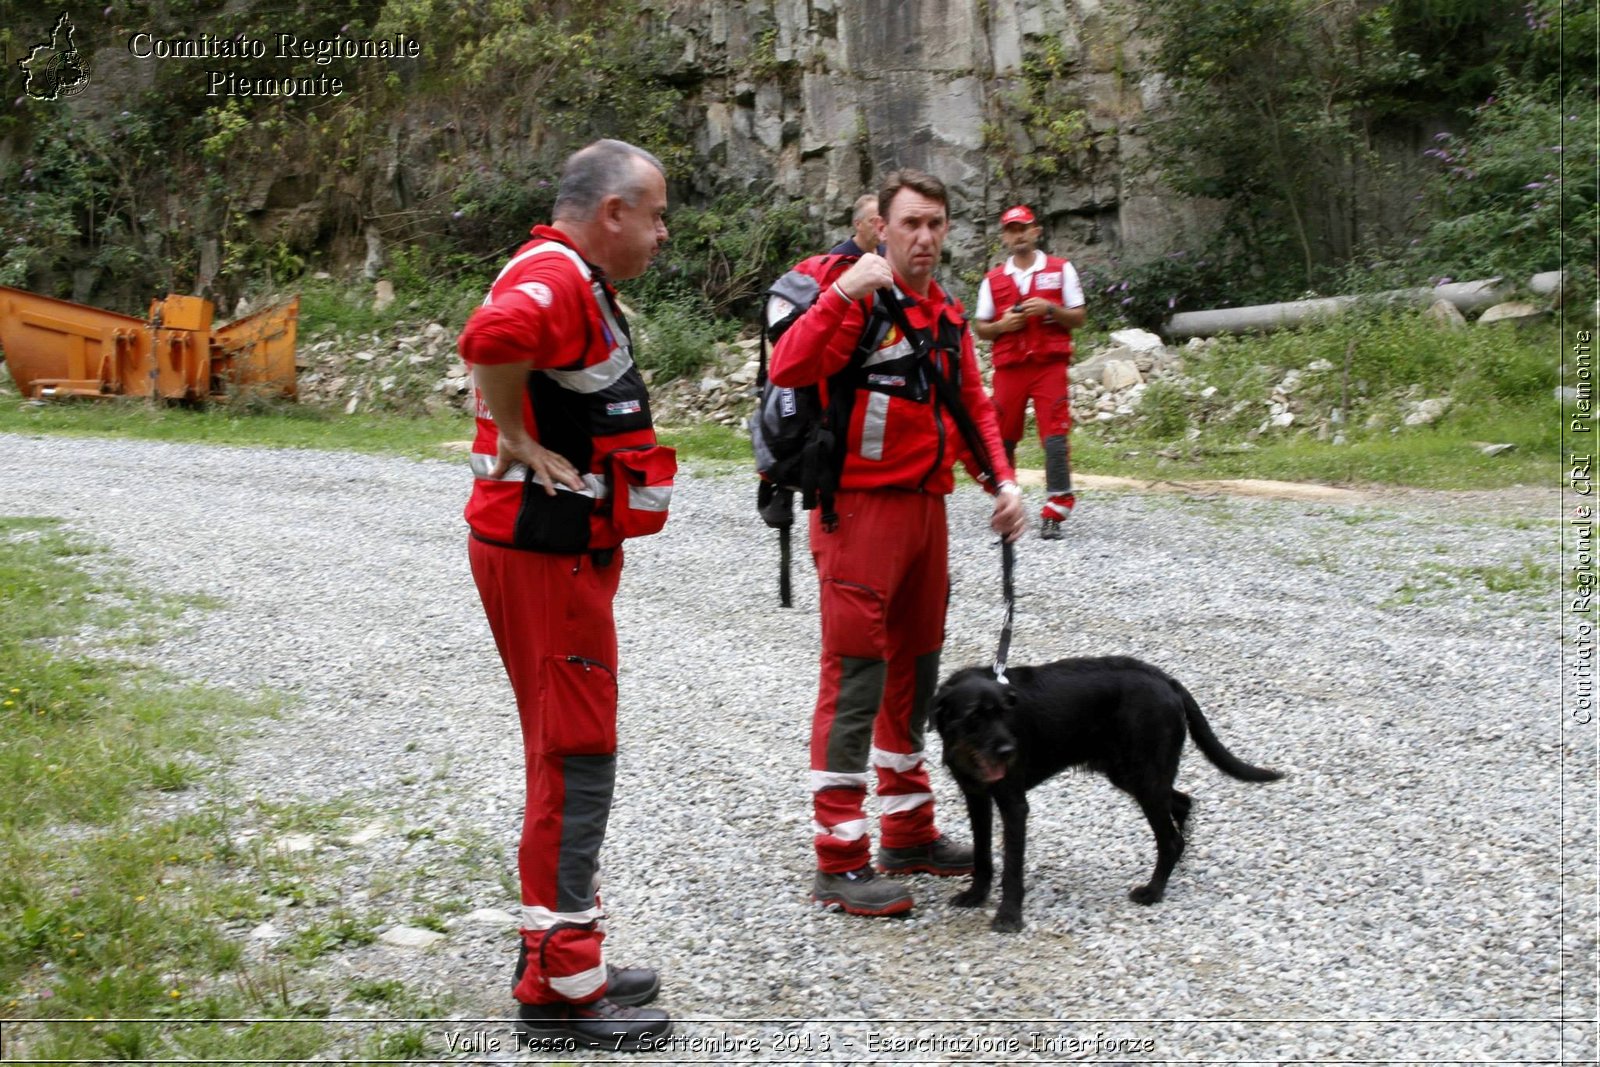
(675, 338)
(1147, 294)
(725, 254)
(1163, 410)
(1515, 185)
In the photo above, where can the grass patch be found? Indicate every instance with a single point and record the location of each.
(1441, 460)
(721, 448)
(266, 426)
(1526, 577)
(112, 913)
(1370, 368)
(1357, 378)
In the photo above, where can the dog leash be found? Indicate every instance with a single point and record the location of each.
(1008, 564)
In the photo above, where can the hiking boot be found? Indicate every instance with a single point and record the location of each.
(603, 1024)
(1050, 530)
(941, 856)
(631, 986)
(628, 986)
(860, 892)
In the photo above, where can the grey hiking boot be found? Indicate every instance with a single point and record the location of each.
(940, 856)
(1050, 530)
(860, 892)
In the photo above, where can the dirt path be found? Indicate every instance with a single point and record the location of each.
(1523, 501)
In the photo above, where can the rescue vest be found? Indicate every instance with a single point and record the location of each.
(846, 419)
(594, 411)
(1039, 341)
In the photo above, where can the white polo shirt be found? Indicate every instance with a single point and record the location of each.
(1071, 287)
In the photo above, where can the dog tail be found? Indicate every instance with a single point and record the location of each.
(1207, 742)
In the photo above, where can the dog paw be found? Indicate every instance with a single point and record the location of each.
(1006, 924)
(969, 898)
(1145, 895)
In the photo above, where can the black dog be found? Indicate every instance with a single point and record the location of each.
(1115, 715)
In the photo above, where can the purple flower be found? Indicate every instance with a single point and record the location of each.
(1172, 302)
(458, 214)
(1534, 185)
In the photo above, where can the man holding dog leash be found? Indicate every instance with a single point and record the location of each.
(566, 466)
(883, 570)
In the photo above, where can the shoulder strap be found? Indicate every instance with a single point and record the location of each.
(946, 389)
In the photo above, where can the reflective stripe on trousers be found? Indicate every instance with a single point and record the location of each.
(884, 589)
(552, 622)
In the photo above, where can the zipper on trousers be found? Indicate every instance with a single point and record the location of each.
(589, 664)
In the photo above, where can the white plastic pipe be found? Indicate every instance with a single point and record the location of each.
(1261, 318)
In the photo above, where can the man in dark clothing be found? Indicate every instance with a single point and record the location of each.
(865, 223)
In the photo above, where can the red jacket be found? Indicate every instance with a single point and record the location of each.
(893, 442)
(1040, 341)
(548, 308)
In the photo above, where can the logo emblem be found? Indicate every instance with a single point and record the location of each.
(57, 69)
(538, 292)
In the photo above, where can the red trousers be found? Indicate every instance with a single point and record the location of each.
(885, 585)
(552, 622)
(1045, 384)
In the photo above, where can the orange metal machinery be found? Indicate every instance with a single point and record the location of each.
(55, 348)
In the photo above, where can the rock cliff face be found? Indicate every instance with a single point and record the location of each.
(1035, 101)
(821, 98)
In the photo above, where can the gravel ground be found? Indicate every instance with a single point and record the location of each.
(1399, 896)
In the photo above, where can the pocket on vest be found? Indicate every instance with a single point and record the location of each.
(552, 523)
(640, 488)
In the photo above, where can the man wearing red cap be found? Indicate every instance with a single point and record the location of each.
(1043, 302)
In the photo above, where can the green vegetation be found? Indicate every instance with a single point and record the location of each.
(1298, 118)
(1039, 131)
(114, 912)
(1357, 378)
(1444, 583)
(271, 426)
(1369, 369)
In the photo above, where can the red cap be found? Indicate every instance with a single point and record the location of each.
(1020, 213)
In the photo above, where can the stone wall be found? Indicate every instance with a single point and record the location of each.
(821, 98)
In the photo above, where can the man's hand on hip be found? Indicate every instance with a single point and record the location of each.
(548, 467)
